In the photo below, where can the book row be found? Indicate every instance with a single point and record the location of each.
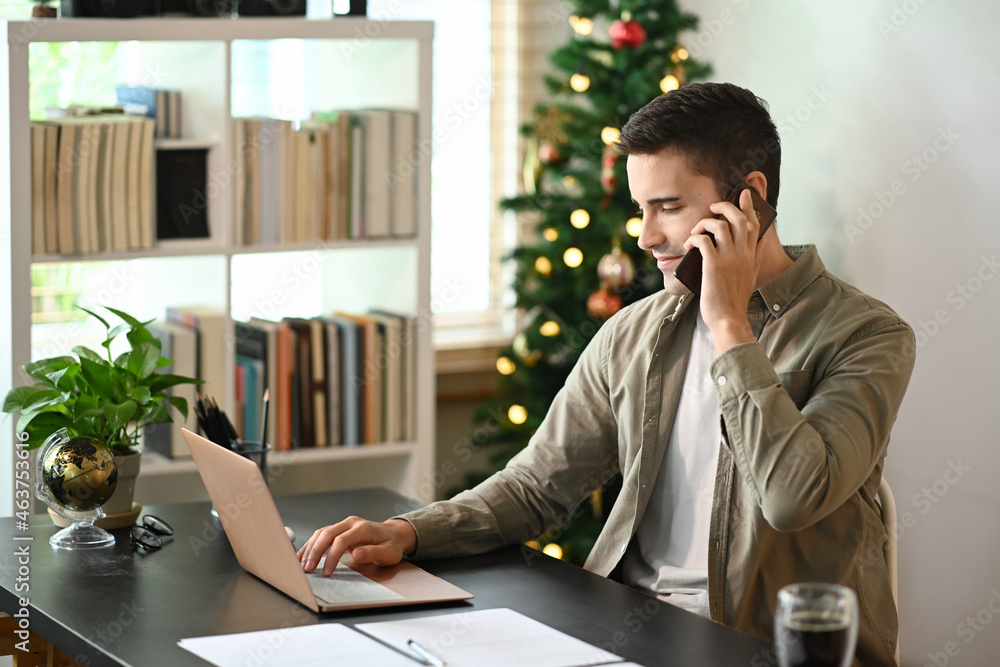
(92, 184)
(101, 183)
(339, 380)
(339, 175)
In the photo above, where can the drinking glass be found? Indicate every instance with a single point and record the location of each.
(816, 625)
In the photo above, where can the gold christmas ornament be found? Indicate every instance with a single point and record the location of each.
(616, 269)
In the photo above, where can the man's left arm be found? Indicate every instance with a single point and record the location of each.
(804, 463)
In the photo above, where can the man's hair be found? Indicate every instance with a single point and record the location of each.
(724, 131)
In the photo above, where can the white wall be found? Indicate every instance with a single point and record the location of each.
(872, 96)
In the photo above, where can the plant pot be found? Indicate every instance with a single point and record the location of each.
(120, 501)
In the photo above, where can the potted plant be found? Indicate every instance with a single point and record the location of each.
(108, 399)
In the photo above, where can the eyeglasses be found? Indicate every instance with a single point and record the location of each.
(148, 534)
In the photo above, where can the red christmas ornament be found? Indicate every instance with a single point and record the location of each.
(549, 153)
(616, 269)
(608, 179)
(602, 304)
(626, 33)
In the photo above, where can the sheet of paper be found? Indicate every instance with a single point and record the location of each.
(489, 638)
(346, 585)
(307, 646)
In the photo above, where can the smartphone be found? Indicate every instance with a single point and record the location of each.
(689, 270)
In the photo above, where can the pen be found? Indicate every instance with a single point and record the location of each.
(426, 657)
(263, 426)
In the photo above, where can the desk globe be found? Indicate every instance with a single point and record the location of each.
(75, 476)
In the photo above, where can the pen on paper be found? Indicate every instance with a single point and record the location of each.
(425, 656)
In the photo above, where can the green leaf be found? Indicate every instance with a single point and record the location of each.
(87, 407)
(141, 395)
(142, 361)
(125, 316)
(163, 363)
(162, 381)
(114, 333)
(180, 404)
(87, 353)
(42, 420)
(140, 335)
(65, 379)
(44, 424)
(40, 370)
(43, 399)
(16, 398)
(158, 415)
(119, 415)
(96, 316)
(98, 379)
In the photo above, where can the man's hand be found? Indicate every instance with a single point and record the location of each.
(730, 270)
(367, 541)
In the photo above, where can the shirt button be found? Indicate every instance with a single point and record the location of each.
(776, 306)
(721, 380)
(623, 548)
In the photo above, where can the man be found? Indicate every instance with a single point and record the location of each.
(749, 424)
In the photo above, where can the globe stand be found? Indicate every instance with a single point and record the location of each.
(82, 533)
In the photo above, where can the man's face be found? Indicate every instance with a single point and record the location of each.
(672, 199)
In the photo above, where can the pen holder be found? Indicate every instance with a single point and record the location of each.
(257, 454)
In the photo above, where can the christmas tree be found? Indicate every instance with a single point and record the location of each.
(584, 264)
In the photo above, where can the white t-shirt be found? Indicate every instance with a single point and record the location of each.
(673, 534)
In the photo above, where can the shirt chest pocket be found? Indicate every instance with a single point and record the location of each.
(798, 384)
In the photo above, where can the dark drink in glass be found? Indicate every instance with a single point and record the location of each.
(816, 639)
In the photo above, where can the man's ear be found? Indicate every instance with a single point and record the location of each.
(757, 181)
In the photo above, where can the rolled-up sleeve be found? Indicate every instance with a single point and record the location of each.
(573, 452)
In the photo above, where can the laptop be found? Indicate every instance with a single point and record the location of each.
(257, 534)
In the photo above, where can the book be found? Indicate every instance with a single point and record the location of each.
(351, 396)
(145, 101)
(239, 180)
(402, 182)
(173, 99)
(181, 182)
(49, 188)
(356, 179)
(303, 405)
(390, 365)
(103, 189)
(250, 393)
(278, 376)
(37, 188)
(147, 155)
(407, 368)
(64, 188)
(133, 187)
(368, 379)
(214, 344)
(377, 170)
(334, 409)
(119, 187)
(182, 342)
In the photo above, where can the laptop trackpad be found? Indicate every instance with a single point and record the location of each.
(347, 586)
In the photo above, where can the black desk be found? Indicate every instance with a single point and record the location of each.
(114, 606)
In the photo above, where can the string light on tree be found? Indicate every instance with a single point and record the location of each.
(551, 234)
(517, 414)
(549, 329)
(543, 266)
(505, 366)
(679, 54)
(579, 82)
(554, 550)
(582, 25)
(669, 83)
(633, 227)
(573, 257)
(579, 218)
(609, 135)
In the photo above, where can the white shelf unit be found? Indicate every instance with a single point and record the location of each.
(351, 63)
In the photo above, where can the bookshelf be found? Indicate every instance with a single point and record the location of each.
(348, 63)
